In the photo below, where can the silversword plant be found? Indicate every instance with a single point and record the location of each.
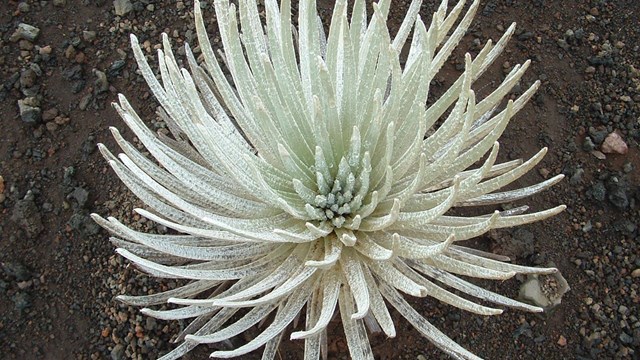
(312, 175)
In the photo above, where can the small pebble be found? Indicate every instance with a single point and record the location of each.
(562, 341)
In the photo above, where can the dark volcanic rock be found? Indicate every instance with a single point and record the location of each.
(27, 215)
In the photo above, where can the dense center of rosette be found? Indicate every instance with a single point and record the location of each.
(340, 187)
(336, 202)
(337, 197)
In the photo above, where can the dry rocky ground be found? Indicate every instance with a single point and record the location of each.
(62, 62)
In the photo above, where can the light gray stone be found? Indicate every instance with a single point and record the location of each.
(25, 32)
(545, 291)
(30, 112)
(122, 7)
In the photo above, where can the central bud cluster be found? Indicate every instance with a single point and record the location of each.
(336, 191)
(337, 197)
(337, 201)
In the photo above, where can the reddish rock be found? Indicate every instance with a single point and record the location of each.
(562, 341)
(613, 144)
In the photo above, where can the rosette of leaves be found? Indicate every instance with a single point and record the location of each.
(312, 175)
